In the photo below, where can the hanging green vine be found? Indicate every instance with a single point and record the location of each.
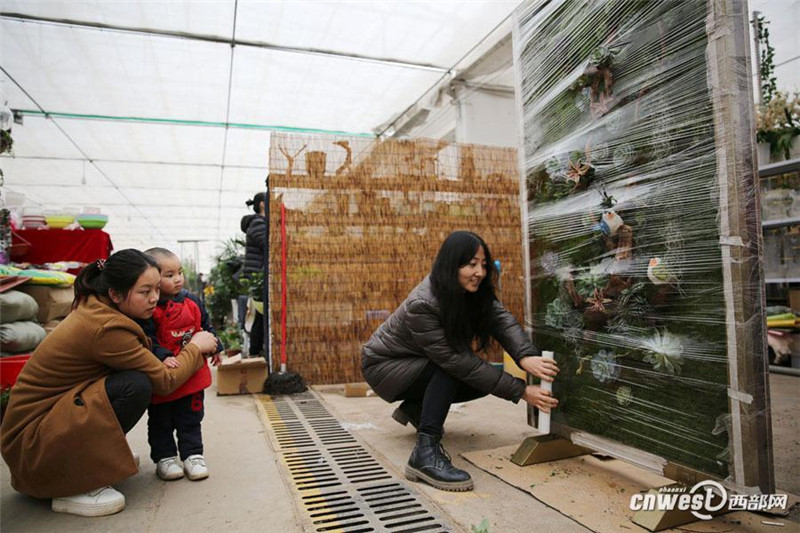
(769, 84)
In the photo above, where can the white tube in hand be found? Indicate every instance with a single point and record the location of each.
(544, 418)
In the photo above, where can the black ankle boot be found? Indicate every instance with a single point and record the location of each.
(408, 412)
(430, 463)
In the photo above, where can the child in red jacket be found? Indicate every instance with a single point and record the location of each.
(177, 316)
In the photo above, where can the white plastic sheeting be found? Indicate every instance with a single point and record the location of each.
(139, 95)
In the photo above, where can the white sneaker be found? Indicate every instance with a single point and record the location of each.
(100, 502)
(169, 468)
(195, 467)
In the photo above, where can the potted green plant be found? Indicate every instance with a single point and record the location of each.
(778, 124)
(231, 338)
(224, 284)
(254, 283)
(778, 113)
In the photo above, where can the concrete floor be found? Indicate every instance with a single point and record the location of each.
(244, 492)
(247, 493)
(492, 423)
(785, 402)
(480, 425)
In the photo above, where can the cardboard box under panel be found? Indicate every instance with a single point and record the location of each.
(54, 302)
(241, 376)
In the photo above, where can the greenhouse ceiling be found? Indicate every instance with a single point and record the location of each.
(159, 113)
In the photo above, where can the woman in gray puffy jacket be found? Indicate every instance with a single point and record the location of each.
(423, 354)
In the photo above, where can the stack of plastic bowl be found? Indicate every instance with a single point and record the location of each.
(58, 221)
(91, 218)
(32, 217)
(33, 221)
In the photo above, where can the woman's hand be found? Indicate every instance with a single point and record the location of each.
(542, 368)
(539, 398)
(171, 362)
(216, 359)
(206, 341)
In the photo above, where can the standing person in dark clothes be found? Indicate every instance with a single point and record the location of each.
(178, 315)
(255, 255)
(424, 354)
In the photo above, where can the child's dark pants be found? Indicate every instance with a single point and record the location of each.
(182, 416)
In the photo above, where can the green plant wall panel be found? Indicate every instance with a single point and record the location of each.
(622, 182)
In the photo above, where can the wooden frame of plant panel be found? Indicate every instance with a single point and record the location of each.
(640, 202)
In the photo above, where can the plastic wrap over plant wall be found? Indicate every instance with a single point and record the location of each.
(643, 233)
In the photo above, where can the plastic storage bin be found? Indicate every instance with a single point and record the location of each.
(10, 367)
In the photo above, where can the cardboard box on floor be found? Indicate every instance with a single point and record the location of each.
(355, 390)
(54, 302)
(241, 376)
(610, 484)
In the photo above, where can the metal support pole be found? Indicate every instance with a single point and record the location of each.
(266, 317)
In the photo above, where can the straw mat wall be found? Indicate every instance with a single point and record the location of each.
(364, 220)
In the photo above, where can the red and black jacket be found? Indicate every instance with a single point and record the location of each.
(174, 322)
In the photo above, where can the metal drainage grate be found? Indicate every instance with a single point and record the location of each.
(342, 486)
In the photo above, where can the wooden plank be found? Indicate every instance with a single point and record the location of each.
(741, 243)
(545, 448)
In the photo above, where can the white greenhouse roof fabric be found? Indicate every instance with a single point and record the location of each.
(145, 110)
(125, 104)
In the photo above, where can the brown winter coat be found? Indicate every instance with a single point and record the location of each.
(60, 436)
(413, 335)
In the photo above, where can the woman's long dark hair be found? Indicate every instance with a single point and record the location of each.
(465, 315)
(118, 272)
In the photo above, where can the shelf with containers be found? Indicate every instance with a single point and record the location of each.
(780, 214)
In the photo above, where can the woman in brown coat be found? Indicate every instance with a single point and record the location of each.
(424, 354)
(86, 385)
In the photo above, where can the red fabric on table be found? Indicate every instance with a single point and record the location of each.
(53, 245)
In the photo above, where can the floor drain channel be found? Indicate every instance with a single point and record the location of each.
(343, 488)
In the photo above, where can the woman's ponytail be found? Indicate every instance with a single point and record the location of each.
(256, 202)
(87, 282)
